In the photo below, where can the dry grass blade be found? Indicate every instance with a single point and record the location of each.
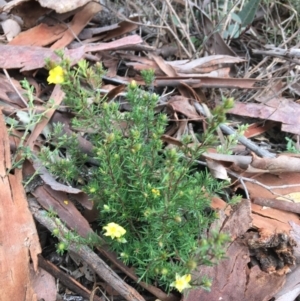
(173, 33)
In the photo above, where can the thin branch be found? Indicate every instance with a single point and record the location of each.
(269, 188)
(278, 204)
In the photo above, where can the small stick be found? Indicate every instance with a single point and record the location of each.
(278, 204)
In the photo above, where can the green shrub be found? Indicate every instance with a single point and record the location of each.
(153, 201)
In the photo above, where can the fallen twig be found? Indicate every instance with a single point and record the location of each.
(66, 280)
(278, 204)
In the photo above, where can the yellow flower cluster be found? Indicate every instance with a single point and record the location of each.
(114, 230)
(56, 75)
(181, 282)
(155, 192)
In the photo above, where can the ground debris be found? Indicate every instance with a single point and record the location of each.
(273, 251)
(256, 264)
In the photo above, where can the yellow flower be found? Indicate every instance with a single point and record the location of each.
(114, 230)
(56, 75)
(181, 282)
(155, 192)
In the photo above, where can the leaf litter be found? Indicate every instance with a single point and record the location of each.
(196, 61)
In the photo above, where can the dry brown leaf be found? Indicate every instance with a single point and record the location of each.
(218, 82)
(88, 33)
(79, 21)
(222, 72)
(171, 140)
(165, 67)
(120, 43)
(182, 105)
(111, 63)
(189, 92)
(258, 128)
(210, 66)
(123, 28)
(281, 164)
(60, 203)
(205, 64)
(217, 169)
(40, 35)
(115, 91)
(280, 109)
(33, 57)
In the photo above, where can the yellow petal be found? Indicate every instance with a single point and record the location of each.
(182, 282)
(114, 230)
(56, 75)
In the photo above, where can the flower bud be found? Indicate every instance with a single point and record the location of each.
(206, 283)
(191, 264)
(55, 232)
(178, 219)
(61, 247)
(229, 103)
(110, 138)
(133, 84)
(105, 105)
(106, 207)
(137, 147)
(124, 255)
